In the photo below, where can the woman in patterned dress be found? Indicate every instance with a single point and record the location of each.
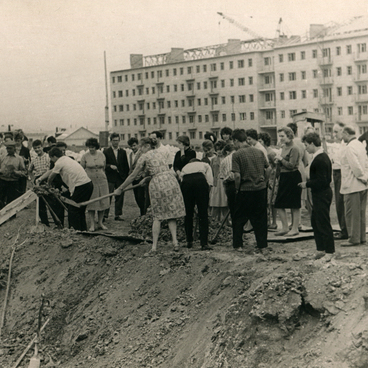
(165, 195)
(94, 162)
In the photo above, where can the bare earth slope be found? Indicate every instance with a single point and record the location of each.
(111, 305)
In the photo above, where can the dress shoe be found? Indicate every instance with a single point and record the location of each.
(340, 236)
(118, 218)
(349, 244)
(280, 233)
(319, 254)
(290, 233)
(189, 245)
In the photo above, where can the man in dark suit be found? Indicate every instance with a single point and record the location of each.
(320, 184)
(117, 169)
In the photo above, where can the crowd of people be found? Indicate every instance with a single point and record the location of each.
(239, 179)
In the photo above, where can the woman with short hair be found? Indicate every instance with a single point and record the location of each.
(94, 162)
(289, 193)
(164, 190)
(184, 155)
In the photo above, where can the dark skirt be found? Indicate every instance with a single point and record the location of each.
(289, 194)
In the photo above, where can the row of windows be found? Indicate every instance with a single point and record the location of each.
(183, 119)
(190, 102)
(325, 72)
(326, 52)
(292, 76)
(181, 71)
(291, 56)
(190, 87)
(192, 135)
(326, 92)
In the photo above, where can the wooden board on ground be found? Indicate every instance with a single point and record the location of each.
(305, 233)
(17, 205)
(287, 239)
(133, 239)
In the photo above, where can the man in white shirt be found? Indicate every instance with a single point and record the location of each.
(354, 187)
(196, 179)
(335, 151)
(78, 182)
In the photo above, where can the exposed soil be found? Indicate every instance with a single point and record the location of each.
(111, 305)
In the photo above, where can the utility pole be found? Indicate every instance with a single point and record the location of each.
(107, 98)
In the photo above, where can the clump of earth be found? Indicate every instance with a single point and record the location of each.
(110, 304)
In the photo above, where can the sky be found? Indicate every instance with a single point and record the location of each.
(52, 63)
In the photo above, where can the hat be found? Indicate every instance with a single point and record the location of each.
(10, 144)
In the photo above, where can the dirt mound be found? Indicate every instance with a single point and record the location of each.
(111, 305)
(142, 226)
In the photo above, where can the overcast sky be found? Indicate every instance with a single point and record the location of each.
(52, 66)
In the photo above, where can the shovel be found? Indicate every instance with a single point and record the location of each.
(35, 361)
(213, 241)
(81, 204)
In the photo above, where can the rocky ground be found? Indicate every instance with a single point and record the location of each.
(111, 305)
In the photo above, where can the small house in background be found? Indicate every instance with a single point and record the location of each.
(77, 139)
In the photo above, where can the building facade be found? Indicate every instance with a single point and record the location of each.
(242, 85)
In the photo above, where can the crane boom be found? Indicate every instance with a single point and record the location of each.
(245, 29)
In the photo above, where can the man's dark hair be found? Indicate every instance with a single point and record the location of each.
(293, 127)
(340, 124)
(266, 138)
(312, 138)
(207, 144)
(349, 130)
(36, 143)
(252, 133)
(114, 135)
(55, 152)
(226, 130)
(184, 139)
(51, 140)
(132, 140)
(61, 144)
(210, 136)
(159, 135)
(239, 135)
(18, 136)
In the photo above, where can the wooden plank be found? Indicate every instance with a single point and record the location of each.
(117, 236)
(17, 205)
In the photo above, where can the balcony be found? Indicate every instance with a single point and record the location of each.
(325, 60)
(268, 105)
(361, 78)
(267, 87)
(326, 101)
(324, 81)
(266, 69)
(360, 57)
(362, 98)
(265, 123)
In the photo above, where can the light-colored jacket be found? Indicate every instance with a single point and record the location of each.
(354, 164)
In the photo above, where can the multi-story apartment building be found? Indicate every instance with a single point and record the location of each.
(241, 84)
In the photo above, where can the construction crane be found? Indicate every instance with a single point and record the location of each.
(261, 40)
